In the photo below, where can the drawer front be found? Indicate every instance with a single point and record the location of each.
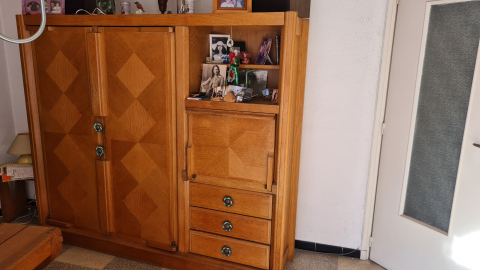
(240, 202)
(238, 251)
(231, 146)
(246, 228)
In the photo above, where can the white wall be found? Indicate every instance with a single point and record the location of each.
(342, 78)
(344, 56)
(11, 84)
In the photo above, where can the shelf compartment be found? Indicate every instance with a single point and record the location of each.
(256, 105)
(256, 67)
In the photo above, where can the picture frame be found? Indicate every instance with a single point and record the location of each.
(264, 51)
(232, 6)
(218, 47)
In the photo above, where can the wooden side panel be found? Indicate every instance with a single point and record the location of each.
(242, 252)
(140, 133)
(65, 110)
(280, 243)
(301, 67)
(98, 73)
(105, 196)
(182, 91)
(231, 148)
(31, 100)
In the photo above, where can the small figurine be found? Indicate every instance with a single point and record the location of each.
(140, 8)
(234, 66)
(162, 4)
(245, 56)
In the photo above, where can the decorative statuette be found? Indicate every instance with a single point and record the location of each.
(106, 6)
(140, 9)
(162, 4)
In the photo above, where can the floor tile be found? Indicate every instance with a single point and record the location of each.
(65, 247)
(310, 260)
(345, 263)
(85, 257)
(126, 264)
(65, 266)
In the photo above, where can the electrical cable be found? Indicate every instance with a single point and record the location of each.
(37, 34)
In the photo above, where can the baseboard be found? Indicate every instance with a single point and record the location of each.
(342, 251)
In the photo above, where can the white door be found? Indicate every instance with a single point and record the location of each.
(427, 210)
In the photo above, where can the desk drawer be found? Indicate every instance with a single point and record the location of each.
(231, 225)
(237, 251)
(231, 200)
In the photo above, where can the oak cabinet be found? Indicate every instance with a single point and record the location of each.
(126, 164)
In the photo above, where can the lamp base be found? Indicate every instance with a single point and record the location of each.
(25, 159)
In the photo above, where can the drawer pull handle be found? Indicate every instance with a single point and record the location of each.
(228, 201)
(226, 251)
(227, 226)
(98, 127)
(100, 151)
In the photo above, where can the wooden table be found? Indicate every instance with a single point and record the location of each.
(28, 247)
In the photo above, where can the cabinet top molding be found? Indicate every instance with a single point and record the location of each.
(240, 19)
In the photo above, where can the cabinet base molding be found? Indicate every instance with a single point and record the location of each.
(58, 223)
(136, 251)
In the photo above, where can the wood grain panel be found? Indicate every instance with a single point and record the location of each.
(32, 104)
(243, 252)
(98, 73)
(65, 112)
(140, 133)
(246, 228)
(182, 86)
(105, 196)
(271, 18)
(244, 202)
(298, 120)
(232, 147)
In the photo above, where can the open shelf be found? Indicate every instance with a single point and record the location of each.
(256, 105)
(257, 67)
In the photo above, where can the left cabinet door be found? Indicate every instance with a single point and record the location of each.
(66, 120)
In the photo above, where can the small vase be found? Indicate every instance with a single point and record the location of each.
(162, 4)
(106, 6)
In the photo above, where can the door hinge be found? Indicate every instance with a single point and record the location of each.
(371, 241)
(398, 1)
(174, 245)
(383, 128)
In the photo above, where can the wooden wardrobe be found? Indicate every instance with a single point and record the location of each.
(126, 165)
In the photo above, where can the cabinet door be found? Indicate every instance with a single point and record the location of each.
(231, 149)
(65, 112)
(140, 133)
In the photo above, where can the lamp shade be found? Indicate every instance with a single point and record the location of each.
(21, 145)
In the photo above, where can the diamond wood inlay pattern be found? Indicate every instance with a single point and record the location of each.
(135, 75)
(232, 146)
(139, 132)
(66, 126)
(57, 70)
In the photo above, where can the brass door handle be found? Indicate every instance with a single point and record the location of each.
(476, 145)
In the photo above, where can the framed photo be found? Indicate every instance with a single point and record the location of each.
(232, 6)
(218, 47)
(264, 51)
(213, 76)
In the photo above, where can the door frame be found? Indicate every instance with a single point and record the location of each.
(378, 130)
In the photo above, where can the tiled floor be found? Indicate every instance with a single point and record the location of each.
(76, 258)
